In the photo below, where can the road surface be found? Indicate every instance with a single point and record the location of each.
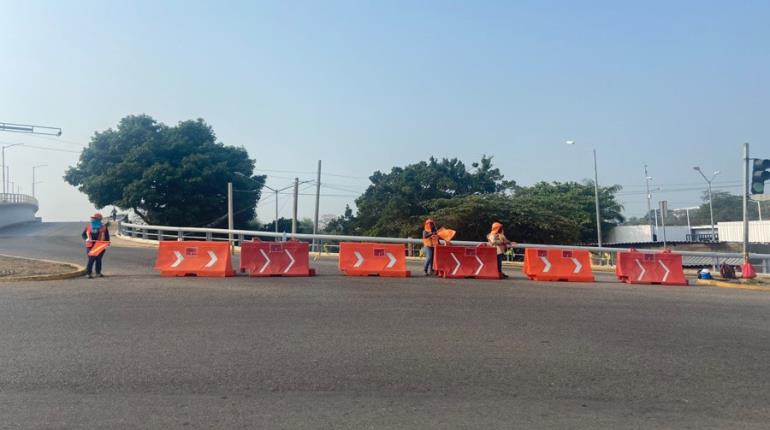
(135, 351)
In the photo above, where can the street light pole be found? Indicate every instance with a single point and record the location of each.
(647, 179)
(33, 176)
(596, 197)
(711, 206)
(3, 163)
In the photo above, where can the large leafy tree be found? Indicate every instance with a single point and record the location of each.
(468, 201)
(576, 202)
(167, 175)
(388, 206)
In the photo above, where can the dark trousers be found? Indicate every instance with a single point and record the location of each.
(97, 260)
(499, 263)
(428, 258)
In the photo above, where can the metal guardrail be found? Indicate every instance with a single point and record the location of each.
(8, 198)
(160, 232)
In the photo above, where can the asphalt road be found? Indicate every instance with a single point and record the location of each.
(135, 350)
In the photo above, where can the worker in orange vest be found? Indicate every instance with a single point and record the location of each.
(429, 242)
(95, 231)
(496, 238)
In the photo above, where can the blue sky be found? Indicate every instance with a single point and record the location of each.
(368, 85)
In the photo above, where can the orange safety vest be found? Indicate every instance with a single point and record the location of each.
(100, 235)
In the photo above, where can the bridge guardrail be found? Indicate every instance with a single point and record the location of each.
(159, 232)
(12, 198)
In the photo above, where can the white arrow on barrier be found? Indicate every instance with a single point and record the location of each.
(267, 260)
(481, 265)
(456, 261)
(213, 260)
(292, 261)
(179, 259)
(641, 275)
(392, 259)
(578, 266)
(359, 259)
(547, 264)
(666, 269)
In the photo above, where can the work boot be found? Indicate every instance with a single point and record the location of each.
(100, 275)
(89, 276)
(503, 276)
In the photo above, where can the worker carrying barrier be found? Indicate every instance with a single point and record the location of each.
(194, 258)
(553, 264)
(373, 259)
(275, 258)
(665, 268)
(98, 248)
(478, 262)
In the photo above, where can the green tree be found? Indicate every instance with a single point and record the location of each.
(305, 225)
(524, 220)
(167, 175)
(344, 225)
(397, 203)
(389, 206)
(575, 201)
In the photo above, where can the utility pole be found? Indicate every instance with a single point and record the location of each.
(230, 215)
(33, 177)
(294, 211)
(317, 202)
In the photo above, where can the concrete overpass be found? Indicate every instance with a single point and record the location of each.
(17, 209)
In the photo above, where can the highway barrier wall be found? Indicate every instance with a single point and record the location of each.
(17, 209)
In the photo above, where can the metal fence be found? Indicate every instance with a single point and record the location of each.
(326, 242)
(9, 198)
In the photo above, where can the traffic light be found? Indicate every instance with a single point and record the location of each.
(759, 176)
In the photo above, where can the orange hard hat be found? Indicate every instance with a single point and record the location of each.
(96, 216)
(496, 227)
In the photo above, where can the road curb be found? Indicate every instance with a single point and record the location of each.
(735, 286)
(77, 271)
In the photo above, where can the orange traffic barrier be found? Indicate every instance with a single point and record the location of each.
(98, 248)
(478, 262)
(194, 258)
(665, 268)
(552, 264)
(373, 259)
(275, 259)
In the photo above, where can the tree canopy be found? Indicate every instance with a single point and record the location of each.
(168, 175)
(468, 201)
